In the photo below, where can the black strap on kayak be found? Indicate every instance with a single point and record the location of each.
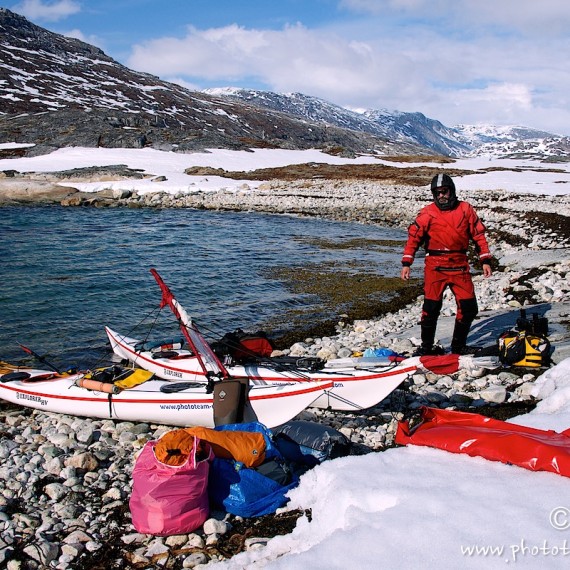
(180, 386)
(13, 376)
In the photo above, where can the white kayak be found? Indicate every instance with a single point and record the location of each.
(189, 405)
(357, 383)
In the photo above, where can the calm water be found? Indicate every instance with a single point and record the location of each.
(67, 272)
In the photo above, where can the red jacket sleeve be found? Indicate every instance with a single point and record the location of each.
(477, 230)
(417, 233)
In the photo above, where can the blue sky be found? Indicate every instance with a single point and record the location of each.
(459, 61)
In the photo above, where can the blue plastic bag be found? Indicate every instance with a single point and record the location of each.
(246, 492)
(371, 352)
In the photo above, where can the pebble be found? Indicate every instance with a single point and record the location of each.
(213, 526)
(194, 560)
(255, 543)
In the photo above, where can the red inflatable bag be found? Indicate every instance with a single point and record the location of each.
(479, 436)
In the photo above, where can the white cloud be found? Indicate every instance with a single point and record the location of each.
(215, 53)
(370, 62)
(525, 15)
(79, 35)
(294, 58)
(511, 100)
(184, 83)
(42, 10)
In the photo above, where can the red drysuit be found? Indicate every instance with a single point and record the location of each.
(446, 234)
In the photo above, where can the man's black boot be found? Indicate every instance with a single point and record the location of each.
(459, 339)
(429, 351)
(428, 336)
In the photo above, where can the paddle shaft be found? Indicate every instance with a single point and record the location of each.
(39, 357)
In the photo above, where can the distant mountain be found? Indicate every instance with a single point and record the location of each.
(513, 141)
(411, 128)
(58, 91)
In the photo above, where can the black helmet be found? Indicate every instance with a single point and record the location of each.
(444, 181)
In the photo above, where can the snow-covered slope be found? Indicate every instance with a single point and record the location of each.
(406, 127)
(416, 128)
(513, 141)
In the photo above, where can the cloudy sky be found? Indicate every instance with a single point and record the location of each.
(459, 61)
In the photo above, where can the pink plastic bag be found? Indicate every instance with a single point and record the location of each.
(166, 499)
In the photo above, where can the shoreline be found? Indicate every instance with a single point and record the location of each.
(528, 234)
(516, 224)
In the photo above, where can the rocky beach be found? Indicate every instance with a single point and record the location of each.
(66, 480)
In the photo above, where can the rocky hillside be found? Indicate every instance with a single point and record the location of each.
(57, 91)
(414, 128)
(411, 128)
(514, 141)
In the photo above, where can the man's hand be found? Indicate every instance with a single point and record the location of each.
(405, 275)
(487, 271)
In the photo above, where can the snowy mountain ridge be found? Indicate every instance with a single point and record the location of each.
(460, 140)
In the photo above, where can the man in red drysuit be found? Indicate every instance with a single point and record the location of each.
(445, 229)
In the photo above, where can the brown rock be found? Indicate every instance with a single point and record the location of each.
(86, 461)
(32, 191)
